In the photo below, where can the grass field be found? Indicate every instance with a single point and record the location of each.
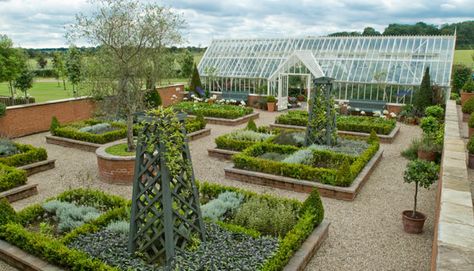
(464, 57)
(42, 91)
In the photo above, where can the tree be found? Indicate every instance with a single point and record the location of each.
(42, 61)
(24, 82)
(158, 66)
(125, 32)
(370, 31)
(461, 74)
(186, 61)
(12, 62)
(195, 81)
(59, 68)
(423, 96)
(74, 67)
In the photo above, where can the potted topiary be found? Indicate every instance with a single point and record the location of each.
(424, 174)
(467, 91)
(470, 124)
(467, 109)
(271, 103)
(470, 150)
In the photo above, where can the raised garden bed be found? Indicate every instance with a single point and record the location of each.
(100, 241)
(20, 192)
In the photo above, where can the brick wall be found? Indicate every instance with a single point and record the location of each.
(166, 94)
(24, 120)
(116, 171)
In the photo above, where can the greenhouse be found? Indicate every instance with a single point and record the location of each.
(384, 68)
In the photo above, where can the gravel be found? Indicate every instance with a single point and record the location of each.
(365, 234)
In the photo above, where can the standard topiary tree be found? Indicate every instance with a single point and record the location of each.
(195, 81)
(424, 95)
(251, 125)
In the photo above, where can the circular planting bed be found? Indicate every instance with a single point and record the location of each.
(116, 165)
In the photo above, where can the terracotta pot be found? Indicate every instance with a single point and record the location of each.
(471, 132)
(410, 121)
(470, 163)
(271, 107)
(465, 96)
(465, 117)
(413, 224)
(301, 98)
(426, 155)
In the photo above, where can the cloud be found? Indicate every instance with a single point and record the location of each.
(41, 23)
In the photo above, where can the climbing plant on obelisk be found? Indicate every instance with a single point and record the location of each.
(321, 128)
(165, 202)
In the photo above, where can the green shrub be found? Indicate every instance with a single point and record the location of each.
(471, 121)
(269, 219)
(195, 124)
(468, 107)
(289, 137)
(7, 213)
(271, 99)
(54, 124)
(69, 215)
(11, 177)
(251, 125)
(435, 111)
(122, 227)
(313, 205)
(430, 125)
(468, 86)
(7, 147)
(26, 154)
(470, 145)
(411, 153)
(152, 98)
(373, 137)
(225, 203)
(3, 109)
(240, 139)
(214, 110)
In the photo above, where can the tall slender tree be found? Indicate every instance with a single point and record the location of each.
(74, 68)
(423, 96)
(24, 82)
(59, 68)
(12, 63)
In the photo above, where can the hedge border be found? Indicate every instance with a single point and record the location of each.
(28, 155)
(11, 177)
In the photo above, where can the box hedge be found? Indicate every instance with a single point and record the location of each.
(72, 131)
(11, 177)
(225, 111)
(27, 155)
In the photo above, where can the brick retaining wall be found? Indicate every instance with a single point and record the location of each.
(166, 94)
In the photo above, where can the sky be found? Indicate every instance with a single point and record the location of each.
(41, 23)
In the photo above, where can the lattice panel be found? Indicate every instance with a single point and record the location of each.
(165, 209)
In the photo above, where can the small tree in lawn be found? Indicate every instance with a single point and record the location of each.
(12, 63)
(423, 97)
(74, 68)
(59, 68)
(195, 81)
(42, 61)
(423, 174)
(24, 82)
(126, 33)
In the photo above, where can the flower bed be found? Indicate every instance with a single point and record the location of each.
(242, 235)
(92, 131)
(214, 110)
(21, 154)
(344, 123)
(242, 139)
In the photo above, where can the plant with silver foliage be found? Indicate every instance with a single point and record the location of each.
(304, 156)
(69, 215)
(7, 147)
(99, 128)
(346, 146)
(224, 203)
(249, 135)
(121, 226)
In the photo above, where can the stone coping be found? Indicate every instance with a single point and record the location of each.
(383, 138)
(72, 143)
(453, 244)
(309, 248)
(292, 184)
(49, 102)
(20, 192)
(100, 152)
(22, 260)
(221, 153)
(230, 122)
(38, 166)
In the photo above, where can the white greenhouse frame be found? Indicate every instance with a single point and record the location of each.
(385, 68)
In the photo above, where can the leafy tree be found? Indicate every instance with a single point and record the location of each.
(370, 31)
(195, 81)
(423, 96)
(419, 28)
(59, 68)
(42, 61)
(74, 67)
(126, 32)
(186, 61)
(158, 66)
(461, 74)
(24, 82)
(12, 62)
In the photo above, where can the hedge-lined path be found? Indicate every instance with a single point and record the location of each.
(365, 234)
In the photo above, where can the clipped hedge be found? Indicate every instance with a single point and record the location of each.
(28, 154)
(195, 124)
(227, 143)
(359, 124)
(72, 131)
(336, 175)
(11, 177)
(225, 111)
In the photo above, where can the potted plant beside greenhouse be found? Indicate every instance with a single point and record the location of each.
(467, 91)
(271, 103)
(423, 174)
(467, 109)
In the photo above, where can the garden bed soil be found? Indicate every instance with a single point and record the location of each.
(20, 192)
(38, 166)
(292, 184)
(231, 122)
(383, 138)
(221, 153)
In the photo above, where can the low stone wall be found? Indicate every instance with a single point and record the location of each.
(453, 243)
(21, 120)
(171, 94)
(115, 169)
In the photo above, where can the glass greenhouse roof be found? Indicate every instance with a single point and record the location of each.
(400, 60)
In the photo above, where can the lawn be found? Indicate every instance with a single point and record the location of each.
(42, 91)
(464, 57)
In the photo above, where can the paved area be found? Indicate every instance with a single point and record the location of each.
(365, 234)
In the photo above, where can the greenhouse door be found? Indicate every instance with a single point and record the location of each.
(283, 92)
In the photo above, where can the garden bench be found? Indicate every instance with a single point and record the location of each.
(232, 95)
(368, 106)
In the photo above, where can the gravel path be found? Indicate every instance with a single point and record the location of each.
(365, 234)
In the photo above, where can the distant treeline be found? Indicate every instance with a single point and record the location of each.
(465, 32)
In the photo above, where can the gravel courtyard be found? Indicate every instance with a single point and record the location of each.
(365, 234)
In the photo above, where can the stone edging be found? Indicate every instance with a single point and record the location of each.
(20, 192)
(72, 143)
(199, 134)
(292, 184)
(38, 166)
(230, 122)
(18, 258)
(49, 102)
(221, 153)
(309, 248)
(383, 138)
